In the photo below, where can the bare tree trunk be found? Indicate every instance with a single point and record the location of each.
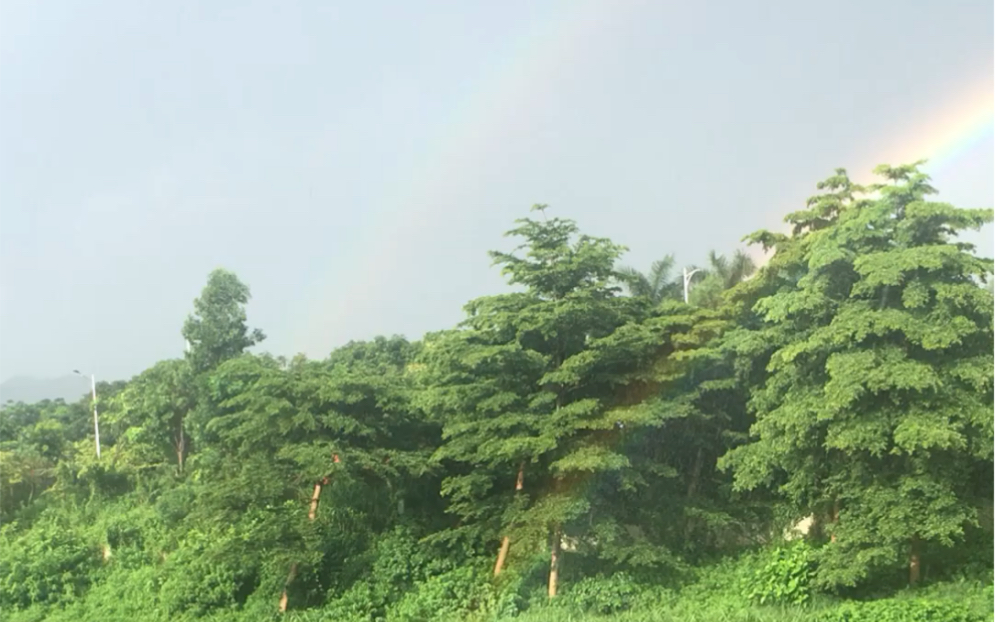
(506, 542)
(313, 511)
(915, 563)
(502, 554)
(554, 562)
(286, 584)
(311, 515)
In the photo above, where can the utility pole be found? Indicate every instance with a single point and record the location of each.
(93, 393)
(687, 281)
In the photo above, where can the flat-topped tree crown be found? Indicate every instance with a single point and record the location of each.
(558, 261)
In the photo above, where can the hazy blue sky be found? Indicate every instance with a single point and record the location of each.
(353, 161)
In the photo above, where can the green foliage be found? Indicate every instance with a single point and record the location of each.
(656, 285)
(903, 610)
(785, 578)
(49, 564)
(217, 329)
(458, 594)
(849, 379)
(874, 342)
(604, 595)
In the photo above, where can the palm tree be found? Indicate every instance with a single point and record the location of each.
(657, 285)
(721, 275)
(732, 272)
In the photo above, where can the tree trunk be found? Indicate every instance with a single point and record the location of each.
(311, 514)
(554, 555)
(181, 443)
(915, 562)
(286, 584)
(695, 474)
(502, 554)
(834, 518)
(506, 541)
(689, 522)
(313, 511)
(884, 298)
(554, 562)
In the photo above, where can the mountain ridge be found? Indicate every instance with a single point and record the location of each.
(30, 389)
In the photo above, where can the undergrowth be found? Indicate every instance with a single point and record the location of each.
(405, 582)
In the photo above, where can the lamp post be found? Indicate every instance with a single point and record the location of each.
(687, 281)
(93, 392)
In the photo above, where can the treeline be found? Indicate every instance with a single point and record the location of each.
(590, 423)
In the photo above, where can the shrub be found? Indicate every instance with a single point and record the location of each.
(457, 595)
(902, 610)
(52, 563)
(604, 595)
(784, 578)
(399, 563)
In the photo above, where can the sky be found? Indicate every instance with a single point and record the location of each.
(354, 161)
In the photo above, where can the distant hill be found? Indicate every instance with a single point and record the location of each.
(29, 390)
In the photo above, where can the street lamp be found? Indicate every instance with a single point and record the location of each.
(687, 281)
(96, 425)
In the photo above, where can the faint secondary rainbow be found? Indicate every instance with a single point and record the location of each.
(490, 105)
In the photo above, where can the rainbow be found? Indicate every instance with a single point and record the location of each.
(959, 128)
(488, 106)
(949, 137)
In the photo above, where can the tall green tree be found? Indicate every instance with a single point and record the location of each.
(217, 330)
(526, 389)
(875, 407)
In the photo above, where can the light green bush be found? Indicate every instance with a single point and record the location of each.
(604, 595)
(784, 578)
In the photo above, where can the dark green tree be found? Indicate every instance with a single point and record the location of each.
(877, 340)
(217, 329)
(527, 388)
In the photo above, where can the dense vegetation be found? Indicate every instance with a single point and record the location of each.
(586, 444)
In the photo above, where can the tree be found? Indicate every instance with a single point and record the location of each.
(285, 435)
(217, 330)
(657, 285)
(875, 408)
(32, 440)
(526, 389)
(721, 275)
(150, 420)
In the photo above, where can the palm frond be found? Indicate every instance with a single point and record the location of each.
(634, 281)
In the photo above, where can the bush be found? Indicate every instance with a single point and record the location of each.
(604, 595)
(902, 610)
(397, 564)
(52, 563)
(456, 595)
(785, 577)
